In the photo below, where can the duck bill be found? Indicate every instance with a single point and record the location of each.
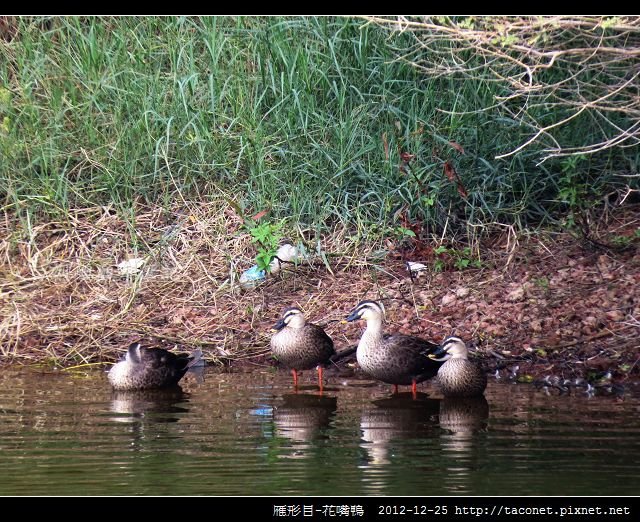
(278, 326)
(353, 316)
(439, 354)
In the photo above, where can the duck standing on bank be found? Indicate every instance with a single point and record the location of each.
(458, 377)
(392, 358)
(147, 368)
(300, 345)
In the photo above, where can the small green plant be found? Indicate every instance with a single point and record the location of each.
(439, 263)
(376, 231)
(403, 233)
(6, 147)
(451, 257)
(542, 282)
(266, 236)
(572, 188)
(625, 241)
(609, 22)
(428, 201)
(467, 23)
(505, 40)
(461, 263)
(621, 241)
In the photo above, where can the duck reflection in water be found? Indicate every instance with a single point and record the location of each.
(304, 417)
(402, 416)
(462, 420)
(464, 415)
(146, 417)
(152, 406)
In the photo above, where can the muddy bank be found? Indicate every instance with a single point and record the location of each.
(549, 303)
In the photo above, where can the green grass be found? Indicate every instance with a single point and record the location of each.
(290, 115)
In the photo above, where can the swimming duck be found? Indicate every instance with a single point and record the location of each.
(300, 345)
(458, 377)
(392, 358)
(146, 368)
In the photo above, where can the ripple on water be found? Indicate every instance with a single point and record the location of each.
(238, 434)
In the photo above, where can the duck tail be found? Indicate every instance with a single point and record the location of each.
(195, 359)
(343, 353)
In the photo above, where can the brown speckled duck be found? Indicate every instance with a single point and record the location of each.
(392, 358)
(147, 368)
(458, 377)
(300, 345)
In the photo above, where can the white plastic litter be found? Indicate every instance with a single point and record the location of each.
(130, 266)
(416, 268)
(286, 253)
(253, 277)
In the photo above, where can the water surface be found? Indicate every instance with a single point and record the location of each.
(65, 433)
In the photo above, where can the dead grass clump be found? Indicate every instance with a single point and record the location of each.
(65, 300)
(542, 301)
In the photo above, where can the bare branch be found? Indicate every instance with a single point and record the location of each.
(565, 67)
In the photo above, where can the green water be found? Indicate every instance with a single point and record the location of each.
(248, 434)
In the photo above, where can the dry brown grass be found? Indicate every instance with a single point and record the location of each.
(64, 299)
(543, 300)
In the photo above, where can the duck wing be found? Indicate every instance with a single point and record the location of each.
(315, 344)
(412, 354)
(323, 338)
(158, 358)
(411, 343)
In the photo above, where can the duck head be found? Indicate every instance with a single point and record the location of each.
(292, 317)
(451, 348)
(367, 310)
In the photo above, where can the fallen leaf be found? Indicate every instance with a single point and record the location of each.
(516, 295)
(457, 146)
(462, 292)
(406, 157)
(259, 215)
(536, 325)
(615, 315)
(448, 299)
(451, 173)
